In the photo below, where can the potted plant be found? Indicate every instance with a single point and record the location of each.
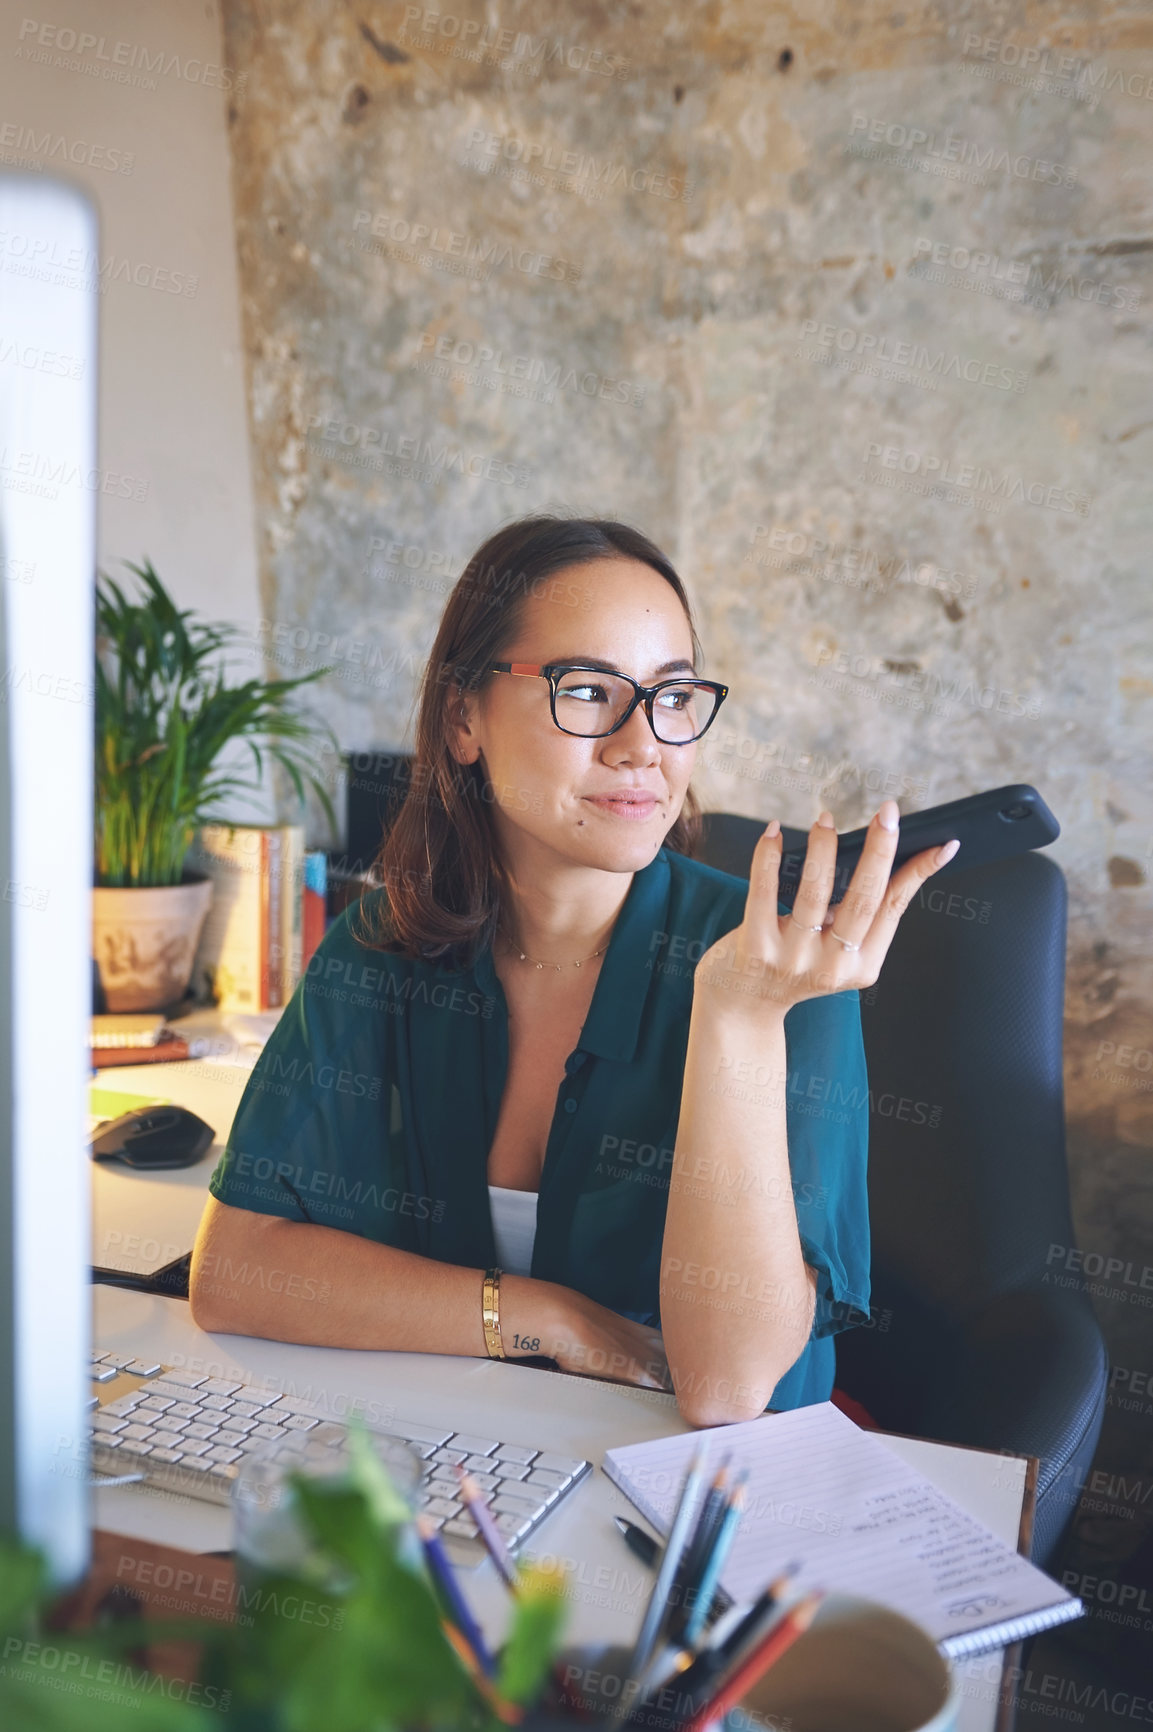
(357, 1637)
(164, 715)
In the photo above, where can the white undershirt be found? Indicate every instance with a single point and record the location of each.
(514, 1227)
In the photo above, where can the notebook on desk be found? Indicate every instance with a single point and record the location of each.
(858, 1520)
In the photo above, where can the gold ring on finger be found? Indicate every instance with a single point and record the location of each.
(802, 925)
(848, 944)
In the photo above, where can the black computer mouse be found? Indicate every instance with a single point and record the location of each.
(159, 1136)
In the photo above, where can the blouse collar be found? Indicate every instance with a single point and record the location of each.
(612, 1026)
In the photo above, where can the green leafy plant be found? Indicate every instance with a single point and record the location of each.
(352, 1641)
(372, 1655)
(164, 714)
(65, 1682)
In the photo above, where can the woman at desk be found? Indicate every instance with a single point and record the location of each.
(556, 1089)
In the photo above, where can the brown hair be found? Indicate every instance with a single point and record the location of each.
(439, 860)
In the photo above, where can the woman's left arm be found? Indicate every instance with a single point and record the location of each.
(737, 1297)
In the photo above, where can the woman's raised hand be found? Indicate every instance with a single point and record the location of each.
(771, 960)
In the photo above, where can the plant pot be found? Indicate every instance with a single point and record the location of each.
(144, 942)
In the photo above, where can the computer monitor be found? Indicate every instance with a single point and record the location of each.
(49, 484)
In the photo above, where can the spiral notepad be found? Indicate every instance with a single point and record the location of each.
(860, 1521)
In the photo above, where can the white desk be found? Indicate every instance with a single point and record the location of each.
(141, 1221)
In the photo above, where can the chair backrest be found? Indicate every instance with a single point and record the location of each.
(968, 1186)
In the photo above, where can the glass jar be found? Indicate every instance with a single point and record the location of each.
(269, 1533)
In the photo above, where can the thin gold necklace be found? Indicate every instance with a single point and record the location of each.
(559, 966)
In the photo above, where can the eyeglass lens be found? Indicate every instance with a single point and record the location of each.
(592, 703)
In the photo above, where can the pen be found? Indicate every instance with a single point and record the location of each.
(640, 1544)
(442, 1573)
(489, 1532)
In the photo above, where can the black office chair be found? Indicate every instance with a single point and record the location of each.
(980, 1333)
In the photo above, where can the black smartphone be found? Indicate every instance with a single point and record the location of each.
(989, 826)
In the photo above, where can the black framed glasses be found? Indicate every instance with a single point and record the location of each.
(592, 703)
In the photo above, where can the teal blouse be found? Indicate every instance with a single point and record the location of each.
(374, 1104)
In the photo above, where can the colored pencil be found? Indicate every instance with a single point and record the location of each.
(753, 1667)
(713, 1562)
(697, 1669)
(737, 1635)
(696, 1551)
(494, 1545)
(444, 1576)
(648, 1550)
(657, 1606)
(728, 1621)
(497, 1550)
(489, 1532)
(509, 1712)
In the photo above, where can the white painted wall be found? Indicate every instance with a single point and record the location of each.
(128, 97)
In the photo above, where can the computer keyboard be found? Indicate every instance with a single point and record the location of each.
(189, 1433)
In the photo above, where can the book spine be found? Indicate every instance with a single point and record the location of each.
(292, 923)
(229, 957)
(272, 895)
(314, 899)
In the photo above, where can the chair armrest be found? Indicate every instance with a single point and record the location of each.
(1028, 1375)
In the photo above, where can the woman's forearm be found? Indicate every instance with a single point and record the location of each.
(256, 1274)
(736, 1294)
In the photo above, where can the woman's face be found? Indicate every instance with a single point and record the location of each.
(565, 795)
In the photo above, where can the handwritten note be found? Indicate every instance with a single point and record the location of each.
(858, 1520)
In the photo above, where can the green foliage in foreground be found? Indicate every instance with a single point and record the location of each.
(74, 1682)
(352, 1643)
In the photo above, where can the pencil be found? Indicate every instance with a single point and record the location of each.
(510, 1712)
(443, 1575)
(767, 1652)
(649, 1550)
(737, 1634)
(696, 1551)
(489, 1532)
(658, 1599)
(713, 1563)
(498, 1552)
(697, 1669)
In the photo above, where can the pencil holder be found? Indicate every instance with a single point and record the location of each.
(858, 1668)
(597, 1693)
(593, 1676)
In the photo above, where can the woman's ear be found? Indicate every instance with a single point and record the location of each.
(461, 741)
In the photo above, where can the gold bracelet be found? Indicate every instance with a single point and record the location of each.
(490, 1314)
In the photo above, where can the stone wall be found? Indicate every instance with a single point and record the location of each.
(850, 313)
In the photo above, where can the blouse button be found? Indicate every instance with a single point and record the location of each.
(570, 1105)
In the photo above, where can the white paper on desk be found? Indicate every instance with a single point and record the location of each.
(243, 1038)
(858, 1520)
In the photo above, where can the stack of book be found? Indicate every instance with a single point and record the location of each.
(134, 1039)
(267, 913)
